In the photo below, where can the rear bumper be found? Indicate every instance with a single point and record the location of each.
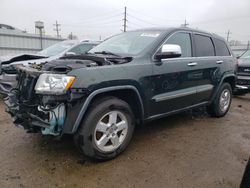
(7, 82)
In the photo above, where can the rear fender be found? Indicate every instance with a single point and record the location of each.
(220, 84)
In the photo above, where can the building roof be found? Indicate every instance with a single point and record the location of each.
(12, 31)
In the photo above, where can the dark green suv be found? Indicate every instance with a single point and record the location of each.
(130, 78)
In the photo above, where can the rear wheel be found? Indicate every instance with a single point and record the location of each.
(107, 129)
(222, 101)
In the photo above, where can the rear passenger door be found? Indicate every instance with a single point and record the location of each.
(208, 65)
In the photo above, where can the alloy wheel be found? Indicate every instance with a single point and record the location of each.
(111, 131)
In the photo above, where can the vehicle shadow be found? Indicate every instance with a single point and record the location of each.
(243, 97)
(64, 147)
(173, 121)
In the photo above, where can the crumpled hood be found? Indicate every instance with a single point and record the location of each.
(244, 62)
(20, 58)
(67, 65)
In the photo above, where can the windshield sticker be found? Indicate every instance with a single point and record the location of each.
(150, 34)
(66, 45)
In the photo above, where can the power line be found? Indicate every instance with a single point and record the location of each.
(99, 16)
(95, 24)
(221, 20)
(104, 18)
(57, 29)
(135, 24)
(143, 21)
(153, 17)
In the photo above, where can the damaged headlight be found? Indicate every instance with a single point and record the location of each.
(53, 83)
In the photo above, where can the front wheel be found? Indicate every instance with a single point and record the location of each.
(222, 101)
(107, 129)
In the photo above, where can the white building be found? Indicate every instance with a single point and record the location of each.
(15, 41)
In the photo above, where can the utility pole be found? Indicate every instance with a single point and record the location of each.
(125, 20)
(57, 29)
(185, 24)
(228, 35)
(248, 45)
(71, 36)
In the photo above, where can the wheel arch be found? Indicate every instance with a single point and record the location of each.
(132, 97)
(229, 78)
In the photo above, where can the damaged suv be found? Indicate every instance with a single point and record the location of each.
(128, 79)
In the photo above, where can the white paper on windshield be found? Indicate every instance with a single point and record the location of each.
(150, 35)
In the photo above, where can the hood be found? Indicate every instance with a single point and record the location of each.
(68, 63)
(20, 57)
(243, 62)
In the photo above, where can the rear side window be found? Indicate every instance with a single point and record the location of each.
(184, 41)
(203, 46)
(221, 48)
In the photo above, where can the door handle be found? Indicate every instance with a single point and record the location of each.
(219, 62)
(192, 64)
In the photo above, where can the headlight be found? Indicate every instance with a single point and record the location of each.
(53, 83)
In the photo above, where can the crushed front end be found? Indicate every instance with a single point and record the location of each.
(44, 100)
(29, 109)
(43, 97)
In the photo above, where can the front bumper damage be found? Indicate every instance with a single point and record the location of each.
(36, 118)
(7, 82)
(48, 114)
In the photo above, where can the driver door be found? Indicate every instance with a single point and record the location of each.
(173, 82)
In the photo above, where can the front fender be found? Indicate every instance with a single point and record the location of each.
(88, 100)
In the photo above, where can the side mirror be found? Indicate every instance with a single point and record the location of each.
(69, 53)
(169, 51)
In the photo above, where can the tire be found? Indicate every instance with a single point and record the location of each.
(109, 121)
(222, 101)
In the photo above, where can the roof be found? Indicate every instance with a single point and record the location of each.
(8, 30)
(5, 26)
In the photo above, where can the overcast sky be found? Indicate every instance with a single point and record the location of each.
(94, 18)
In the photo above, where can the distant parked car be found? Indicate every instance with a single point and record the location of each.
(65, 48)
(243, 74)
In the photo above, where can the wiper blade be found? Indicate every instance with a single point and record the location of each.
(107, 53)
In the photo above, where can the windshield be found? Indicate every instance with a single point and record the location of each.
(246, 55)
(56, 49)
(131, 43)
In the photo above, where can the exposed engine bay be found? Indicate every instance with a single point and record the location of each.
(68, 63)
(45, 112)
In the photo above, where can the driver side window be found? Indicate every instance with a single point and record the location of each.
(184, 41)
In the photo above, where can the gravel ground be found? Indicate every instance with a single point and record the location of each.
(187, 150)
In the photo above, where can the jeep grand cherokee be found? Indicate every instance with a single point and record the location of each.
(130, 78)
